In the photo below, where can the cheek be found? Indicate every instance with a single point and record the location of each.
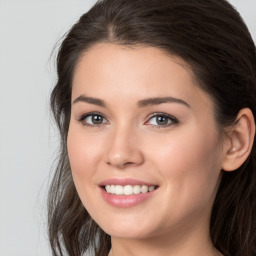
(85, 154)
(190, 164)
(180, 150)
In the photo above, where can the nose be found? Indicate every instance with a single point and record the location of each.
(123, 149)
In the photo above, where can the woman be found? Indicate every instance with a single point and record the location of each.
(155, 103)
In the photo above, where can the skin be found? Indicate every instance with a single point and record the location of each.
(184, 159)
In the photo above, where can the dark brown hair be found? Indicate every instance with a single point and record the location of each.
(212, 38)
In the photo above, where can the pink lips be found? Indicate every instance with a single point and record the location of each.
(124, 201)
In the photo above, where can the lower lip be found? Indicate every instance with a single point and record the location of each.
(123, 201)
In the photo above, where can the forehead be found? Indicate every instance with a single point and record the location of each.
(127, 58)
(107, 70)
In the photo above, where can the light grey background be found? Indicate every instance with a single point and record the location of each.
(28, 140)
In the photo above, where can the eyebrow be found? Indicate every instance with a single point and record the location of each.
(90, 100)
(159, 100)
(141, 103)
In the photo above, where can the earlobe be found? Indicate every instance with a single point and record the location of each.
(240, 141)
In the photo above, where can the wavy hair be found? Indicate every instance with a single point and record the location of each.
(213, 39)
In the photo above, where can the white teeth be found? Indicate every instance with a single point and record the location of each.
(128, 189)
(144, 189)
(119, 190)
(108, 188)
(151, 188)
(112, 189)
(136, 189)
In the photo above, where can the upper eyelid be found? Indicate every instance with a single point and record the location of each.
(83, 116)
(161, 114)
(174, 121)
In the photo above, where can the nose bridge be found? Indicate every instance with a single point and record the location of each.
(124, 148)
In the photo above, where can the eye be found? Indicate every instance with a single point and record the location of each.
(162, 119)
(93, 119)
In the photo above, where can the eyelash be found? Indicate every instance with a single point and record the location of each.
(173, 120)
(83, 117)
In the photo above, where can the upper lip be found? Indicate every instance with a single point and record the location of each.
(124, 181)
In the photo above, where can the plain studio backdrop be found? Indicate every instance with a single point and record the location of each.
(29, 30)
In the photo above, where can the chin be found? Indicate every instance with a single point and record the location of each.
(128, 233)
(128, 229)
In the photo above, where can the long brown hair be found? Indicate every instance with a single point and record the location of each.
(213, 39)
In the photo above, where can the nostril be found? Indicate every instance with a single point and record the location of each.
(121, 164)
(128, 163)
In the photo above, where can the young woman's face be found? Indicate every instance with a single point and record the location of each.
(142, 130)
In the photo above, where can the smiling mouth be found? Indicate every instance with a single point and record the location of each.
(128, 190)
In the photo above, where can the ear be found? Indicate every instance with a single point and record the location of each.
(239, 142)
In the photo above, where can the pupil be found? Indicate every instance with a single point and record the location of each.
(161, 120)
(97, 119)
